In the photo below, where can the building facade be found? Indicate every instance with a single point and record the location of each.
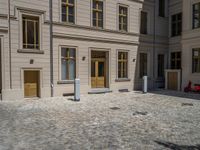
(108, 45)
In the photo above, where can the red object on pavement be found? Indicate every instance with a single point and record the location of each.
(197, 88)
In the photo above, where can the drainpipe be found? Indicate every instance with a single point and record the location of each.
(154, 43)
(9, 44)
(51, 46)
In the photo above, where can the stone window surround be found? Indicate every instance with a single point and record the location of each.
(60, 12)
(36, 14)
(60, 81)
(128, 67)
(128, 16)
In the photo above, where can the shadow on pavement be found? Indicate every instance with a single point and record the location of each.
(177, 147)
(195, 96)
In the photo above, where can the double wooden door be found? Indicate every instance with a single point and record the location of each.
(98, 73)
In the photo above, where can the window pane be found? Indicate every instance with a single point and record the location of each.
(143, 64)
(71, 69)
(30, 32)
(64, 69)
(101, 69)
(143, 26)
(122, 64)
(68, 59)
(196, 60)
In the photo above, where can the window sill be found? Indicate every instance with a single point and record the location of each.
(66, 82)
(123, 80)
(30, 51)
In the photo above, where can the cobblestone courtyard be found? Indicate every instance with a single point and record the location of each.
(158, 120)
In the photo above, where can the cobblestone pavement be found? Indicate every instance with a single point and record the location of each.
(158, 120)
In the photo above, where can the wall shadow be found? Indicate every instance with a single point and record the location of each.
(194, 96)
(173, 146)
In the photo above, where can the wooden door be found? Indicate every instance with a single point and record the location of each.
(172, 81)
(31, 84)
(98, 72)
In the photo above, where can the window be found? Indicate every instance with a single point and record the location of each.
(30, 32)
(68, 63)
(176, 60)
(68, 11)
(176, 24)
(161, 65)
(123, 18)
(143, 64)
(196, 15)
(143, 24)
(97, 13)
(162, 8)
(196, 60)
(122, 64)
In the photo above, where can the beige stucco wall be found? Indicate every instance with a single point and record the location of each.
(80, 35)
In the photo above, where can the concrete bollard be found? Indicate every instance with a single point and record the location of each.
(145, 84)
(77, 90)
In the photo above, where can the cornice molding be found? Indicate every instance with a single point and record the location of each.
(96, 39)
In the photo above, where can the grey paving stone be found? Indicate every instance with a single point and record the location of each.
(133, 120)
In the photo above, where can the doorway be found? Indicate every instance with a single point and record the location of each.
(31, 84)
(172, 81)
(99, 69)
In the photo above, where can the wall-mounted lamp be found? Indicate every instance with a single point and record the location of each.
(134, 60)
(83, 58)
(31, 61)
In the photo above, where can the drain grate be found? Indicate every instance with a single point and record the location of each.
(114, 108)
(140, 113)
(187, 104)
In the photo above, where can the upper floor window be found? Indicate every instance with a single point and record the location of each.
(68, 11)
(176, 60)
(68, 63)
(196, 15)
(30, 32)
(143, 23)
(122, 64)
(161, 8)
(123, 18)
(176, 24)
(196, 60)
(97, 13)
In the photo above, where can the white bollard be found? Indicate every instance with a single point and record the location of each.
(77, 90)
(145, 84)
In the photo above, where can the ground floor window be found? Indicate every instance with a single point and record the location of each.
(196, 60)
(68, 63)
(143, 64)
(161, 65)
(122, 64)
(176, 60)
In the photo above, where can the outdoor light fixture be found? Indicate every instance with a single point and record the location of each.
(31, 61)
(83, 58)
(134, 60)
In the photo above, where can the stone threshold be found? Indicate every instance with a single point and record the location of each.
(100, 91)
